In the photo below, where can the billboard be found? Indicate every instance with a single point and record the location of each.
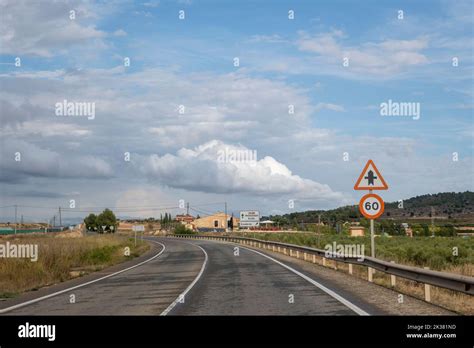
(249, 218)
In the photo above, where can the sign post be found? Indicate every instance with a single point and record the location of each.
(249, 218)
(371, 205)
(137, 228)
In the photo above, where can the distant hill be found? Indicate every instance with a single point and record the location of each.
(448, 206)
(442, 205)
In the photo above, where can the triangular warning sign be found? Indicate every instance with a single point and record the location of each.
(370, 178)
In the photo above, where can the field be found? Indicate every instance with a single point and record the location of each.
(437, 253)
(60, 259)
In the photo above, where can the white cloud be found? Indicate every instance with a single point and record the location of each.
(40, 162)
(275, 38)
(202, 169)
(120, 32)
(46, 129)
(377, 58)
(329, 106)
(43, 28)
(152, 3)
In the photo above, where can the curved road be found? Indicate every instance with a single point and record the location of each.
(219, 283)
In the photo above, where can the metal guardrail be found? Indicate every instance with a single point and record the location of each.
(460, 283)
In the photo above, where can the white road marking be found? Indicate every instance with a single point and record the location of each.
(315, 283)
(23, 304)
(328, 291)
(183, 294)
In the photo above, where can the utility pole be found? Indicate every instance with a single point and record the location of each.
(225, 208)
(319, 222)
(16, 207)
(60, 221)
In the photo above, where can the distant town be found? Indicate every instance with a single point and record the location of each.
(442, 214)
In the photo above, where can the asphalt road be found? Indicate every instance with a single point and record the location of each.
(145, 290)
(213, 279)
(250, 284)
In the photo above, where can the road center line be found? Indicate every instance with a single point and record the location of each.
(183, 294)
(24, 304)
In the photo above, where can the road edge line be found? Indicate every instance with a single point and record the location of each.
(328, 291)
(27, 303)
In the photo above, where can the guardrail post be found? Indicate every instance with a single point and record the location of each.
(393, 279)
(291, 253)
(297, 254)
(350, 268)
(427, 290)
(273, 248)
(314, 258)
(284, 251)
(279, 249)
(369, 274)
(304, 256)
(324, 261)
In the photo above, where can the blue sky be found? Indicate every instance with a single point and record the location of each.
(190, 62)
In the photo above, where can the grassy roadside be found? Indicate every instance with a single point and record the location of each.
(61, 259)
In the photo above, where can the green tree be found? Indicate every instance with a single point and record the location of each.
(181, 229)
(106, 221)
(90, 221)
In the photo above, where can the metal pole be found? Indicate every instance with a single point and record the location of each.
(225, 228)
(15, 216)
(372, 238)
(60, 221)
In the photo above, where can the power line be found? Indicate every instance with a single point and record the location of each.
(204, 211)
(200, 212)
(122, 210)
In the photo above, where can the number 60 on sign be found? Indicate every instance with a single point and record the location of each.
(371, 206)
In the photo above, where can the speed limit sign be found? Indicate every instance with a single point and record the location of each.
(371, 206)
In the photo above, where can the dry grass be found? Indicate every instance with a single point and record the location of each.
(451, 300)
(60, 259)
